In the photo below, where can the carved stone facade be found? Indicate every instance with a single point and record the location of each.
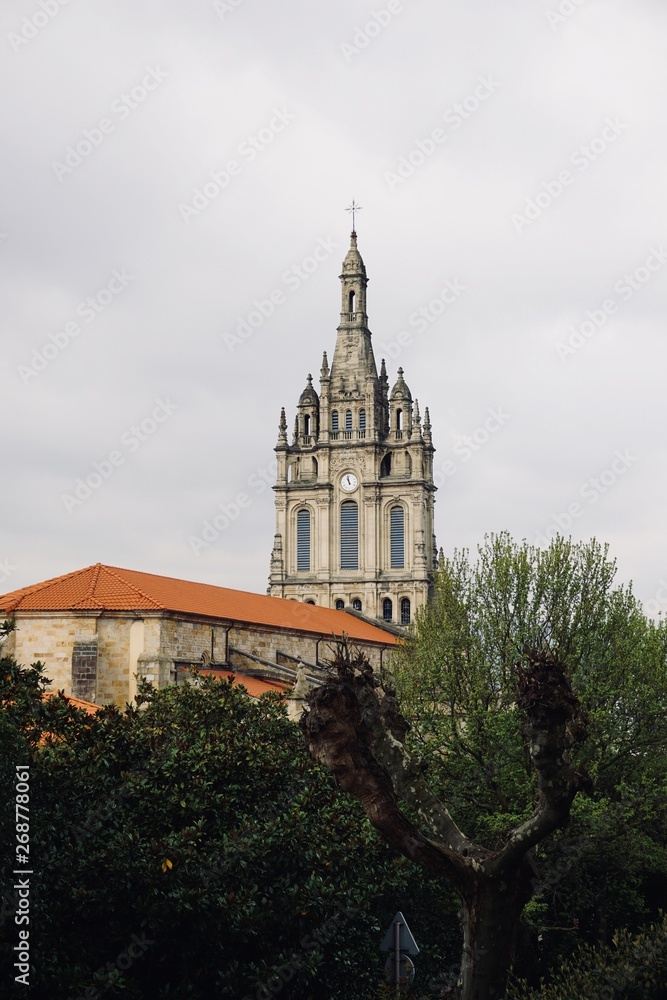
(354, 488)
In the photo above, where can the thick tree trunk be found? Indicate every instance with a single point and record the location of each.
(490, 919)
(355, 729)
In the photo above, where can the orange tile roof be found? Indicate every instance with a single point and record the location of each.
(253, 685)
(107, 588)
(88, 706)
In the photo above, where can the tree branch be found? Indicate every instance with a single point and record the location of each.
(555, 722)
(355, 729)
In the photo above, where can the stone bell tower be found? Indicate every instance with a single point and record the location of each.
(354, 488)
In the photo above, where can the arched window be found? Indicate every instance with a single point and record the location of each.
(387, 609)
(340, 605)
(306, 425)
(351, 300)
(405, 611)
(356, 604)
(315, 467)
(349, 535)
(362, 420)
(303, 541)
(385, 466)
(399, 420)
(309, 602)
(348, 420)
(334, 420)
(397, 538)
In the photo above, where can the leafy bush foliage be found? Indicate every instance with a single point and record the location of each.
(633, 967)
(190, 848)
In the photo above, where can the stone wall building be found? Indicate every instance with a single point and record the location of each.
(98, 629)
(354, 488)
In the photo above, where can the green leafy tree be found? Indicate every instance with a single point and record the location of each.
(188, 847)
(456, 678)
(631, 967)
(356, 730)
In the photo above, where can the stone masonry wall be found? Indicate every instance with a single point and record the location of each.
(114, 660)
(164, 640)
(84, 670)
(51, 638)
(267, 644)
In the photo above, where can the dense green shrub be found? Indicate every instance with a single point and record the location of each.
(633, 967)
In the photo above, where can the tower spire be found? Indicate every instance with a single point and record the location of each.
(355, 489)
(282, 427)
(427, 426)
(354, 208)
(416, 419)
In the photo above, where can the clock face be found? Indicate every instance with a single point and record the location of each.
(349, 482)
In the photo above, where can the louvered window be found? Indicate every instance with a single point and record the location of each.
(362, 420)
(303, 541)
(397, 538)
(348, 420)
(334, 420)
(387, 609)
(349, 535)
(405, 611)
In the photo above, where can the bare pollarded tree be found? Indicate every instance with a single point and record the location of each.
(355, 729)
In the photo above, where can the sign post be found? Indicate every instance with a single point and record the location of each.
(399, 942)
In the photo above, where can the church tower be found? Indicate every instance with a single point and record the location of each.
(354, 487)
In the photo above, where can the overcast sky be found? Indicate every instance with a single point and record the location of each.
(170, 169)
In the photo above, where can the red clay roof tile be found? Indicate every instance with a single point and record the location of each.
(107, 588)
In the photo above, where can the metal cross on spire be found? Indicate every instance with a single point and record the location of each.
(354, 208)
